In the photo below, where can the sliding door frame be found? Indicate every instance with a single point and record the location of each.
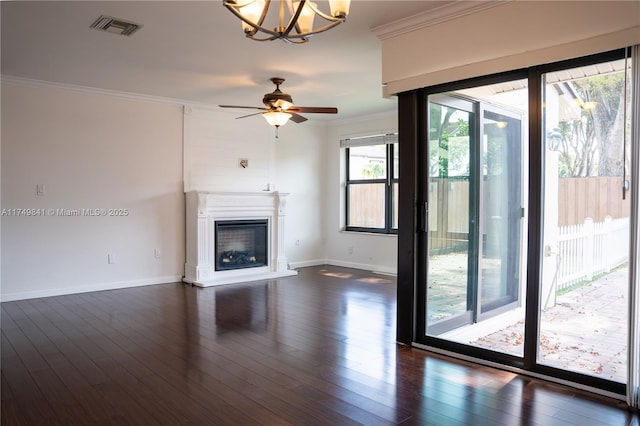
(413, 230)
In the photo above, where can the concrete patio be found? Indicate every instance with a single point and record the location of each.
(585, 331)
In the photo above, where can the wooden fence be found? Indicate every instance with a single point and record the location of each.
(366, 205)
(578, 199)
(591, 248)
(594, 197)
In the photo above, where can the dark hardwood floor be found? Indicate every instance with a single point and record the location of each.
(316, 349)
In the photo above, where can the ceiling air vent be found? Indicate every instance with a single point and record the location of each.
(115, 25)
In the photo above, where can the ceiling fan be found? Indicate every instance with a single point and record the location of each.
(279, 107)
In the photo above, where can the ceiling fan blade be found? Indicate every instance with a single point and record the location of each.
(297, 118)
(239, 106)
(249, 115)
(318, 110)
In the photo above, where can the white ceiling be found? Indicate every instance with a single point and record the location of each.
(196, 52)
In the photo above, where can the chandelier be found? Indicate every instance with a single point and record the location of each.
(294, 20)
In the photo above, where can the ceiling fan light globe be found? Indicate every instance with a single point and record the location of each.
(339, 8)
(276, 118)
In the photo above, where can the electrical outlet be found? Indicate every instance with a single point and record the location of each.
(111, 259)
(156, 253)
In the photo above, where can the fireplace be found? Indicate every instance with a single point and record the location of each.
(235, 237)
(241, 244)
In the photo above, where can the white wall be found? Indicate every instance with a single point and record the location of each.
(94, 150)
(90, 151)
(301, 164)
(214, 142)
(373, 252)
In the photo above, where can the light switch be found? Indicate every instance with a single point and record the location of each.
(40, 189)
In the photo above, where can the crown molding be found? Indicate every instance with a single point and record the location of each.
(432, 17)
(21, 81)
(185, 104)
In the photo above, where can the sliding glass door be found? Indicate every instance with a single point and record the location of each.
(524, 219)
(585, 281)
(475, 219)
(502, 209)
(451, 214)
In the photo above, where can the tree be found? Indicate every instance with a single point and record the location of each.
(577, 148)
(373, 170)
(593, 144)
(604, 98)
(448, 142)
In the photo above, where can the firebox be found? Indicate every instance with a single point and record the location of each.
(241, 244)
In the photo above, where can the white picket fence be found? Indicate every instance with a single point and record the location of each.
(590, 249)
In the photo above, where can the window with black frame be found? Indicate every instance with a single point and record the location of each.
(372, 183)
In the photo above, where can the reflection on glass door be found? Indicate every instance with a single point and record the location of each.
(475, 222)
(584, 289)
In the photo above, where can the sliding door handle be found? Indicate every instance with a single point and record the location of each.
(424, 217)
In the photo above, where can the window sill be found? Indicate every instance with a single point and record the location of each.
(376, 234)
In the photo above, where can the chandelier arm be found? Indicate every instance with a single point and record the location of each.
(263, 15)
(325, 16)
(281, 22)
(257, 26)
(314, 32)
(293, 22)
(297, 40)
(232, 8)
(255, 38)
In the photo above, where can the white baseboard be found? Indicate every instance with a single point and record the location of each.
(307, 263)
(362, 266)
(8, 297)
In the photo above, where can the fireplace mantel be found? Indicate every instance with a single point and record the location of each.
(204, 208)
